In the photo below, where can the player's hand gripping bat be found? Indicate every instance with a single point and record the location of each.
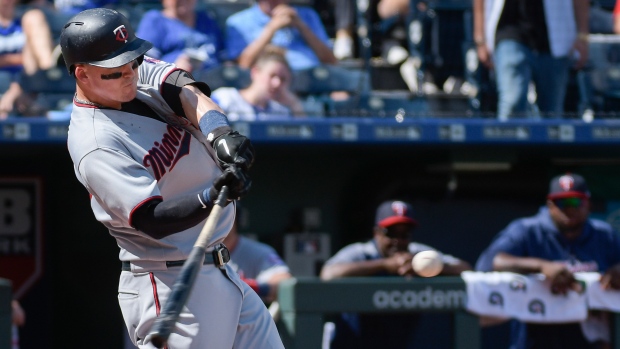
(185, 281)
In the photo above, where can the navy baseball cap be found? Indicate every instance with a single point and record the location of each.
(568, 185)
(394, 212)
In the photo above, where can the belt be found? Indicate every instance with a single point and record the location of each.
(219, 256)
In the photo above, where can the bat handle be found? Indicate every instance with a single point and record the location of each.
(222, 197)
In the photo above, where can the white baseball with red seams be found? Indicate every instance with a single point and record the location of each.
(427, 263)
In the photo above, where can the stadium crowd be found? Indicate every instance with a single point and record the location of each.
(213, 39)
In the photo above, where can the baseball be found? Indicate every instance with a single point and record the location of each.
(427, 263)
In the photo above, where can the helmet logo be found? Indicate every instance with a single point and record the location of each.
(566, 182)
(121, 33)
(399, 208)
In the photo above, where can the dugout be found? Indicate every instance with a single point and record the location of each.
(464, 190)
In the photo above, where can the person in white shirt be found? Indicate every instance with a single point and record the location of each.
(268, 97)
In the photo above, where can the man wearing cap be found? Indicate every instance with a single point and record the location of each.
(389, 253)
(154, 151)
(557, 242)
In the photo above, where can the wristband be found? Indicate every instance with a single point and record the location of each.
(205, 201)
(210, 121)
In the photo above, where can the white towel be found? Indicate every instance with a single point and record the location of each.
(523, 297)
(596, 297)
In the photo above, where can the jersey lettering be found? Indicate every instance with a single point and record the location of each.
(165, 154)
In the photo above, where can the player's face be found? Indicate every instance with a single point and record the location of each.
(569, 215)
(272, 77)
(109, 86)
(395, 238)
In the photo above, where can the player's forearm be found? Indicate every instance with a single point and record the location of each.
(196, 104)
(159, 219)
(525, 265)
(455, 269)
(365, 268)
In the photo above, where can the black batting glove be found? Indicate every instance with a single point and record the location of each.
(234, 149)
(238, 182)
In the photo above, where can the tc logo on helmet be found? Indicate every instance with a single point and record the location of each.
(566, 182)
(121, 33)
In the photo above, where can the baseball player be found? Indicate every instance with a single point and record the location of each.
(153, 151)
(388, 253)
(258, 264)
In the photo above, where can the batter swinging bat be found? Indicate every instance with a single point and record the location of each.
(185, 281)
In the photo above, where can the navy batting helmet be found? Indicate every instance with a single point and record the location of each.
(101, 37)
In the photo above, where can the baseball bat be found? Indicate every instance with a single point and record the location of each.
(182, 286)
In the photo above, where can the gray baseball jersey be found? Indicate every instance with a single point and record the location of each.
(364, 251)
(255, 260)
(125, 160)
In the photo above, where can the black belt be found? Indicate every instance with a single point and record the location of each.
(219, 256)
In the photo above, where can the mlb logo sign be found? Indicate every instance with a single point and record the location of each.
(20, 232)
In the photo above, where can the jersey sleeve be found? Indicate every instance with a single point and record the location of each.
(118, 185)
(511, 240)
(271, 264)
(348, 254)
(154, 72)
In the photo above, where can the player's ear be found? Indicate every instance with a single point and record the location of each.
(80, 73)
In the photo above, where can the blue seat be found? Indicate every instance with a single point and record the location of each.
(5, 81)
(324, 79)
(226, 75)
(380, 104)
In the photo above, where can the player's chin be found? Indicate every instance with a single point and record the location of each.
(128, 94)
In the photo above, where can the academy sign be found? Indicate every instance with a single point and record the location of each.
(427, 298)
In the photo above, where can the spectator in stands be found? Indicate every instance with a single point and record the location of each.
(258, 264)
(389, 253)
(601, 19)
(344, 17)
(616, 18)
(268, 96)
(25, 45)
(73, 7)
(184, 35)
(297, 29)
(18, 319)
(531, 40)
(557, 242)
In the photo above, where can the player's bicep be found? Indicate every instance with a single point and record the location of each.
(117, 182)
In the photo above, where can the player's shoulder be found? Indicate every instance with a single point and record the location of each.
(601, 226)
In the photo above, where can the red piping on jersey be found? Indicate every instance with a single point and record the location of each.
(166, 77)
(156, 297)
(142, 203)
